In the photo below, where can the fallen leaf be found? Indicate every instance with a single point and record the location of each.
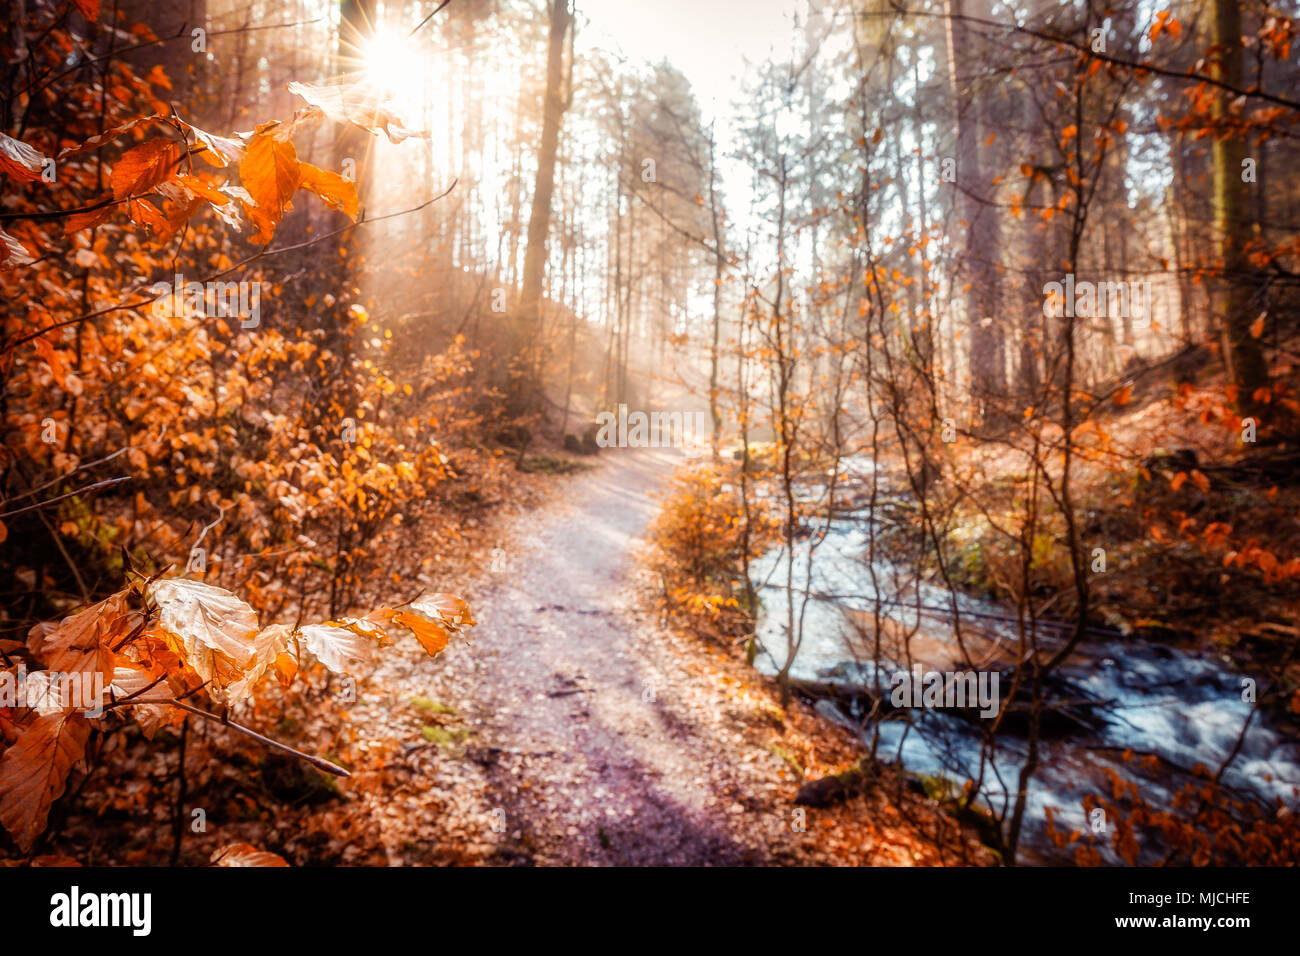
(245, 854)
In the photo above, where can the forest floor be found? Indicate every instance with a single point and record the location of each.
(573, 728)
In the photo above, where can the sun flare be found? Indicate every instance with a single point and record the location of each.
(393, 64)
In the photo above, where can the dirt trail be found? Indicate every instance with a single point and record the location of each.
(576, 702)
(580, 731)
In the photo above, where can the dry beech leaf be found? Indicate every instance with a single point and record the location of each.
(144, 213)
(216, 630)
(353, 103)
(209, 192)
(337, 192)
(128, 681)
(268, 647)
(270, 174)
(143, 167)
(216, 150)
(432, 636)
(245, 854)
(339, 648)
(12, 252)
(22, 162)
(34, 772)
(86, 220)
(286, 669)
(83, 642)
(453, 611)
(432, 618)
(107, 136)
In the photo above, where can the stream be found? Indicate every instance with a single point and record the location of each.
(1185, 707)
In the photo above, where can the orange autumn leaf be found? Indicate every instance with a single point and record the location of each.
(197, 186)
(34, 772)
(143, 167)
(158, 77)
(86, 220)
(22, 162)
(144, 213)
(245, 854)
(336, 191)
(1178, 480)
(432, 637)
(1257, 327)
(13, 253)
(271, 173)
(1123, 396)
(285, 668)
(217, 150)
(453, 611)
(51, 358)
(83, 642)
(1199, 479)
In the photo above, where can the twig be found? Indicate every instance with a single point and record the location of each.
(79, 491)
(55, 481)
(320, 763)
(436, 11)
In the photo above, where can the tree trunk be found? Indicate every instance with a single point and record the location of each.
(987, 373)
(539, 221)
(1244, 354)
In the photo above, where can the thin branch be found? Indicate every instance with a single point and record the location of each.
(436, 11)
(320, 763)
(79, 491)
(1087, 50)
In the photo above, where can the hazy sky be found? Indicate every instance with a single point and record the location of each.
(707, 40)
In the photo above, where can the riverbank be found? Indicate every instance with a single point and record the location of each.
(1144, 752)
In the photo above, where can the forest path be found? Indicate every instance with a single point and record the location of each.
(574, 728)
(587, 738)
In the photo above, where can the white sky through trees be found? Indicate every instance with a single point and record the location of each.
(708, 40)
(713, 43)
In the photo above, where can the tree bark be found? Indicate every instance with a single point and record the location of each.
(987, 373)
(540, 219)
(1244, 355)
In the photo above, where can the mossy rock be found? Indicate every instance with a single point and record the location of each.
(836, 786)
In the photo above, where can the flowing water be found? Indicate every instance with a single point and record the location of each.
(1185, 707)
